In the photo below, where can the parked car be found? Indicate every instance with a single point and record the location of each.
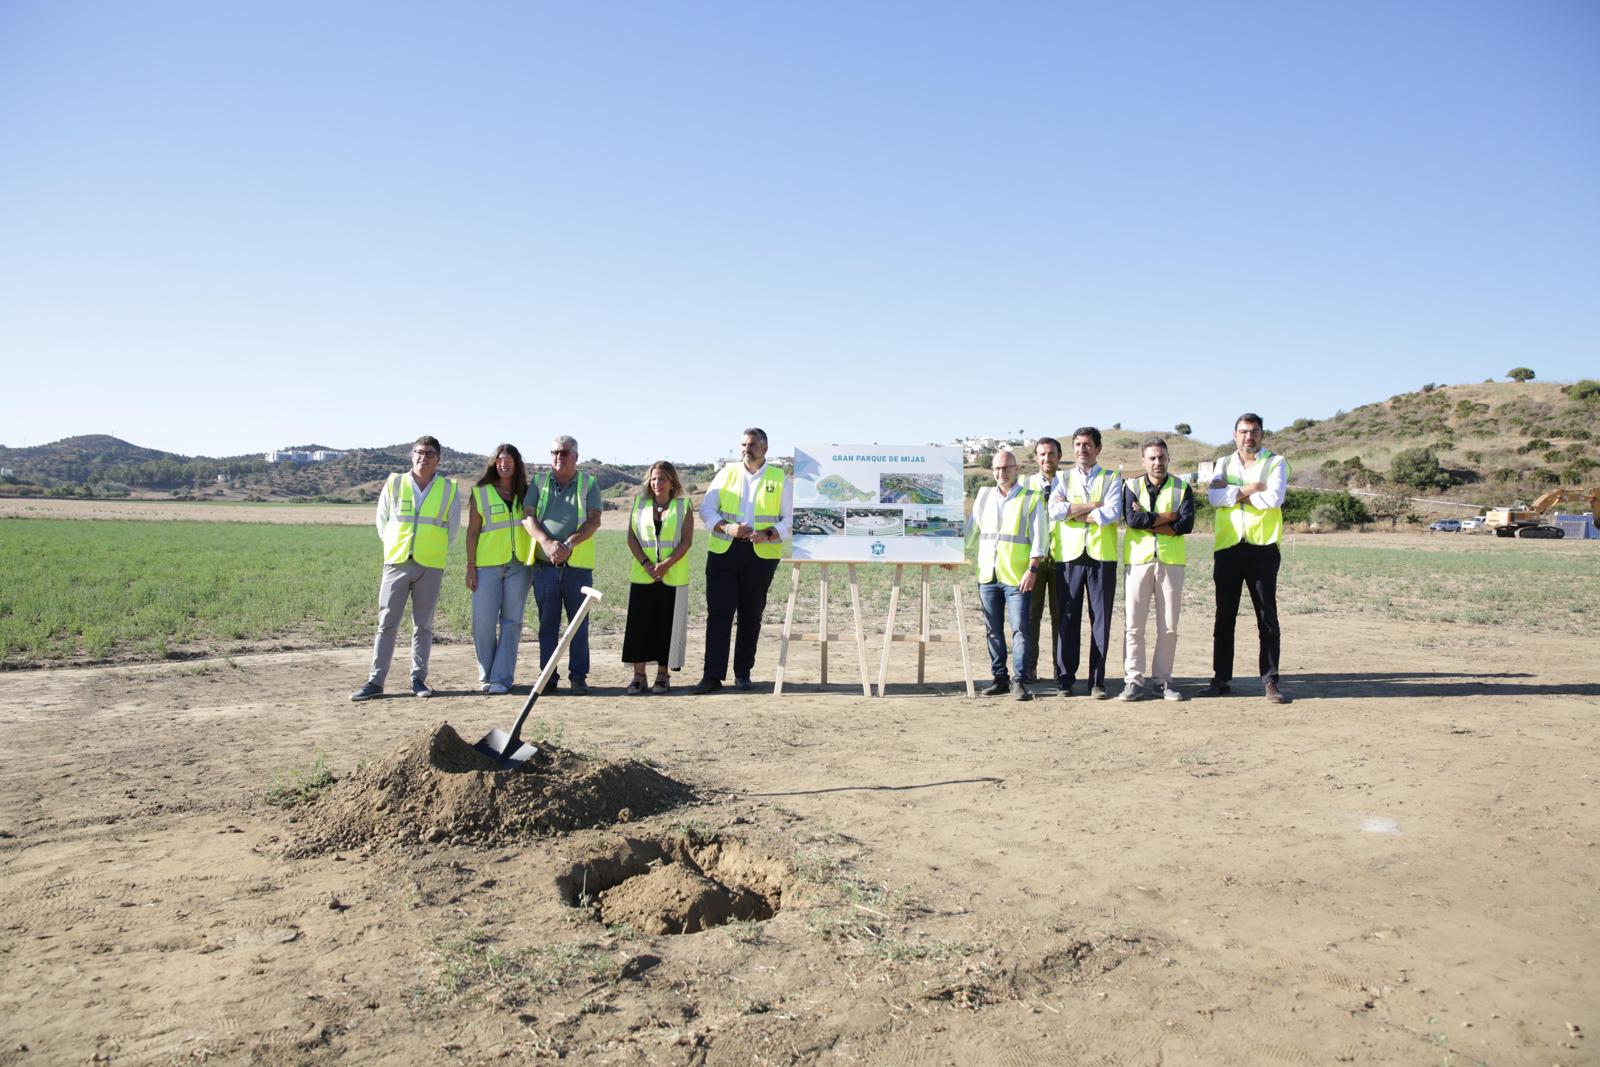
(1473, 523)
(1446, 526)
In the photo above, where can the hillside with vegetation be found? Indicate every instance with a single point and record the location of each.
(1489, 443)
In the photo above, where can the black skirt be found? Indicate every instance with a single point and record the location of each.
(648, 636)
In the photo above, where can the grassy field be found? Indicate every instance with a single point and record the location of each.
(149, 590)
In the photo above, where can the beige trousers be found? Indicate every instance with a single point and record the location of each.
(1164, 584)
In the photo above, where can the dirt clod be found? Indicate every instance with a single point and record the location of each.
(436, 787)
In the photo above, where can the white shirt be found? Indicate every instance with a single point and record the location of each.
(1271, 497)
(421, 493)
(745, 483)
(1109, 513)
(986, 515)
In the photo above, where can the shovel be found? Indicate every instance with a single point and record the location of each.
(508, 749)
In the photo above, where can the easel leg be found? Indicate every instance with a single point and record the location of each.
(922, 642)
(888, 630)
(861, 640)
(822, 623)
(961, 631)
(788, 628)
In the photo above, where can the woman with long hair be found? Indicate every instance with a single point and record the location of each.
(499, 568)
(660, 532)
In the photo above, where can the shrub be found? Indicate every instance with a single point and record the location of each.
(1183, 428)
(1418, 468)
(1541, 476)
(1577, 471)
(1534, 444)
(1520, 374)
(1586, 391)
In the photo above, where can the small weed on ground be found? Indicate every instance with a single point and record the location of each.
(300, 784)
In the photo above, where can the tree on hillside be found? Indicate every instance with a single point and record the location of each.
(1520, 374)
(1418, 468)
(1183, 428)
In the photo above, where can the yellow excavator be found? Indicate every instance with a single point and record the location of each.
(1529, 522)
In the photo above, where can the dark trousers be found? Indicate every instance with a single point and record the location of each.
(1097, 579)
(1044, 588)
(1256, 568)
(736, 584)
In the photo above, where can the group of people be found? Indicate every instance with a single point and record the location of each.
(1049, 538)
(537, 534)
(1052, 537)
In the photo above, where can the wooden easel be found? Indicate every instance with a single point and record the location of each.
(822, 636)
(923, 637)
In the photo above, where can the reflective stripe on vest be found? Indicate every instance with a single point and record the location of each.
(768, 508)
(1075, 534)
(657, 550)
(1005, 553)
(419, 532)
(1144, 546)
(1244, 521)
(583, 551)
(502, 529)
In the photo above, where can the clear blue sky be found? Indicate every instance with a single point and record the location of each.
(230, 226)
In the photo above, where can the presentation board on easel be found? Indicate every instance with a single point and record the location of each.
(877, 505)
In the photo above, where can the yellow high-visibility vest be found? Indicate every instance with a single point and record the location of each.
(1006, 552)
(1076, 534)
(1144, 546)
(418, 530)
(1037, 484)
(583, 551)
(659, 549)
(768, 508)
(502, 530)
(1244, 521)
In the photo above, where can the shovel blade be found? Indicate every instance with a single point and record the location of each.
(493, 745)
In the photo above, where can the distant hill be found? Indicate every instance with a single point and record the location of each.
(98, 464)
(1492, 441)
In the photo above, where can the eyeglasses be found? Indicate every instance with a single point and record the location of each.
(423, 452)
(561, 451)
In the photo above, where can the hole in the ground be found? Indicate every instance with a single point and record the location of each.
(679, 884)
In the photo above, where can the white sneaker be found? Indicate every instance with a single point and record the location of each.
(496, 689)
(1134, 692)
(1171, 692)
(485, 687)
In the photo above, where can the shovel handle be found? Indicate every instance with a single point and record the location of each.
(590, 597)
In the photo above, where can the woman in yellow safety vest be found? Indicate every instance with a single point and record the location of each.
(660, 531)
(499, 570)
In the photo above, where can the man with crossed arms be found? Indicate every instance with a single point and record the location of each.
(1248, 490)
(1159, 510)
(1086, 502)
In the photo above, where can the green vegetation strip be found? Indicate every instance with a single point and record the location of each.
(153, 590)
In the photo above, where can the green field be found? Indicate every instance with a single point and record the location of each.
(77, 590)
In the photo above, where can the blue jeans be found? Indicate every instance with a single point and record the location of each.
(1004, 604)
(555, 588)
(497, 608)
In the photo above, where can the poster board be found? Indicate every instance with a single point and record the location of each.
(879, 503)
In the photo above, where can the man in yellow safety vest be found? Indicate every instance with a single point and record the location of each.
(1247, 490)
(748, 511)
(1009, 523)
(1047, 453)
(418, 515)
(562, 514)
(1086, 503)
(1159, 510)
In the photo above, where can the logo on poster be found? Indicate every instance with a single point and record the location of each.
(879, 548)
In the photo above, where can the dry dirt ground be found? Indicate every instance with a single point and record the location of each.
(1399, 867)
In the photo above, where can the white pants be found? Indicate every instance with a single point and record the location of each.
(1164, 583)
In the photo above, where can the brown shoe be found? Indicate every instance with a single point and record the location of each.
(1273, 696)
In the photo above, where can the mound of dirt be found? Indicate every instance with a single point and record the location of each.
(436, 787)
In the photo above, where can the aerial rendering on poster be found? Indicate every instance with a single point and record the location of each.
(911, 489)
(878, 503)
